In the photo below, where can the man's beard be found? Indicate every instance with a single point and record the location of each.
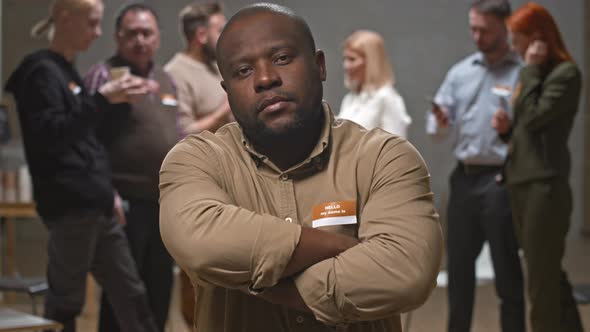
(492, 47)
(209, 51)
(259, 134)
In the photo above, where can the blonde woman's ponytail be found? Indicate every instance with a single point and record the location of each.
(42, 28)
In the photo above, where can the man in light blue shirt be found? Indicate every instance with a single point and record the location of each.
(473, 90)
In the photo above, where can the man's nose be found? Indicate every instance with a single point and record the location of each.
(476, 36)
(266, 77)
(140, 38)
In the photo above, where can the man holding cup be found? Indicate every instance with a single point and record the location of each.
(138, 136)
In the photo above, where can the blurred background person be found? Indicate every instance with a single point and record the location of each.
(137, 137)
(70, 169)
(372, 102)
(538, 166)
(203, 103)
(479, 206)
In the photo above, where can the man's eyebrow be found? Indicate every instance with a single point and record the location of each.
(270, 50)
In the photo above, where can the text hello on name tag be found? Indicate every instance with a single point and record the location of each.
(334, 213)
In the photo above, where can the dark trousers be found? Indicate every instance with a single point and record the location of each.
(153, 263)
(479, 210)
(90, 242)
(542, 212)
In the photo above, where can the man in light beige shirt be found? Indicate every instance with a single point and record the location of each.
(291, 220)
(202, 102)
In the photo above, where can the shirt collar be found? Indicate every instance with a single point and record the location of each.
(209, 66)
(509, 58)
(318, 156)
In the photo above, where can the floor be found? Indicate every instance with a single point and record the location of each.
(429, 318)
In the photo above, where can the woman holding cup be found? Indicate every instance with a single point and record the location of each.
(70, 170)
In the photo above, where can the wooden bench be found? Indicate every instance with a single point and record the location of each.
(14, 321)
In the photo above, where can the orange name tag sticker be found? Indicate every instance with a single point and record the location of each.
(334, 213)
(169, 100)
(75, 88)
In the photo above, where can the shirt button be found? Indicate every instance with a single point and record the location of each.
(284, 177)
(299, 319)
(289, 219)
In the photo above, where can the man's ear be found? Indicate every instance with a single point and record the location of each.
(320, 60)
(64, 16)
(201, 35)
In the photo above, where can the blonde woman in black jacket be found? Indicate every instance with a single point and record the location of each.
(70, 170)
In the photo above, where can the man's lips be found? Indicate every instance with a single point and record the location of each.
(272, 104)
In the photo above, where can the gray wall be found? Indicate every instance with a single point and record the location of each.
(424, 38)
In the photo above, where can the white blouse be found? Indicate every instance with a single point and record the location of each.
(383, 108)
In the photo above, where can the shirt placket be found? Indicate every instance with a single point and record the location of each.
(288, 206)
(297, 321)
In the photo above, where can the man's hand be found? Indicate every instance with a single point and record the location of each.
(501, 122)
(118, 210)
(126, 89)
(212, 121)
(316, 245)
(536, 53)
(441, 114)
(285, 293)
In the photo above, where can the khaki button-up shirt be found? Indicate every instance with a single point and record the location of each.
(232, 220)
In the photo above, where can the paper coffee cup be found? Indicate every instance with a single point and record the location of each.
(118, 72)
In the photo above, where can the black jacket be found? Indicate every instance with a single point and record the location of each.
(544, 113)
(68, 165)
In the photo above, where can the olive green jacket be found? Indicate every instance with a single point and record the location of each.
(544, 111)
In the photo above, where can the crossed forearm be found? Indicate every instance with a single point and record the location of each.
(314, 246)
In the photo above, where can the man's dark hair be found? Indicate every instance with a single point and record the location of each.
(272, 8)
(197, 15)
(499, 8)
(133, 7)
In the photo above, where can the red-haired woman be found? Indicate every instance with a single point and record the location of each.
(538, 165)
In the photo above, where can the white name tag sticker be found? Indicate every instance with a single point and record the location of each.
(169, 100)
(502, 90)
(334, 214)
(75, 88)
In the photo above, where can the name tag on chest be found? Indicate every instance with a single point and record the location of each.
(334, 213)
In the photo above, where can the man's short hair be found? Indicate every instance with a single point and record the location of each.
(263, 7)
(499, 8)
(133, 7)
(197, 15)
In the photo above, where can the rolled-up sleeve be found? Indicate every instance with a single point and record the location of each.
(210, 237)
(445, 98)
(186, 107)
(394, 268)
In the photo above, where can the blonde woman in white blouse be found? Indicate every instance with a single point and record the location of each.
(372, 101)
